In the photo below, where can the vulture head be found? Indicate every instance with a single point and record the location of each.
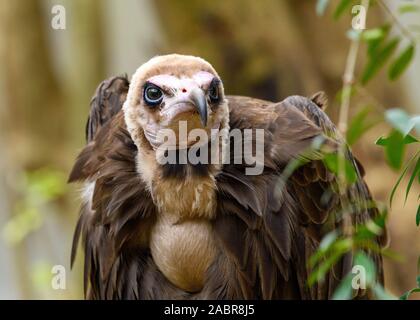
(176, 94)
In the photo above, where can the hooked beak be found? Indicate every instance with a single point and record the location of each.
(199, 100)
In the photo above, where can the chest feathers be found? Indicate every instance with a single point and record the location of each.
(181, 241)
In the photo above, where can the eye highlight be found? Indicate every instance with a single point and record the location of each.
(152, 94)
(213, 90)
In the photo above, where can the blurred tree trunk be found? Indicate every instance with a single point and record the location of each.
(42, 115)
(30, 84)
(87, 69)
(30, 87)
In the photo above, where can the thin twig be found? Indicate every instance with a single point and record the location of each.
(348, 79)
(398, 23)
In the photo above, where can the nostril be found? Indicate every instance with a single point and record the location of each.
(184, 90)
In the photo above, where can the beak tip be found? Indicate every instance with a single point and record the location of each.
(203, 121)
(200, 102)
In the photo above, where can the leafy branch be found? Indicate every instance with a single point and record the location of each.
(380, 48)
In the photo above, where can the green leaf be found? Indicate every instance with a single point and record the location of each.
(338, 246)
(328, 240)
(418, 216)
(319, 273)
(394, 146)
(321, 7)
(394, 149)
(368, 230)
(332, 161)
(344, 290)
(401, 63)
(46, 183)
(410, 139)
(316, 257)
(374, 44)
(341, 8)
(416, 171)
(21, 224)
(407, 8)
(407, 140)
(418, 265)
(373, 34)
(372, 227)
(381, 294)
(326, 244)
(408, 293)
(359, 125)
(41, 274)
(399, 119)
(405, 295)
(378, 60)
(363, 260)
(391, 197)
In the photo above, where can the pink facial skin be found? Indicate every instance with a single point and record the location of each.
(177, 93)
(177, 104)
(181, 86)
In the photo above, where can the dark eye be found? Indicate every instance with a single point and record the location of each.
(214, 91)
(152, 95)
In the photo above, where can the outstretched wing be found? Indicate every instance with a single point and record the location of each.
(270, 226)
(116, 205)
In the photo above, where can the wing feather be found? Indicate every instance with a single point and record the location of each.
(106, 103)
(287, 224)
(119, 204)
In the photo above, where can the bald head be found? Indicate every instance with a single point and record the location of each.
(173, 64)
(173, 89)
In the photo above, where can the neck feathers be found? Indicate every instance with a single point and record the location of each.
(184, 190)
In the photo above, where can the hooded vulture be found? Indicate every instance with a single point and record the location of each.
(154, 229)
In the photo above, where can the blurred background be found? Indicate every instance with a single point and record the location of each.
(268, 49)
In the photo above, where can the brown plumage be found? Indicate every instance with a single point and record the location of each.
(197, 231)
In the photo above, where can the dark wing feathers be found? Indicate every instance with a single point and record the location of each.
(106, 102)
(266, 228)
(120, 206)
(119, 203)
(295, 218)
